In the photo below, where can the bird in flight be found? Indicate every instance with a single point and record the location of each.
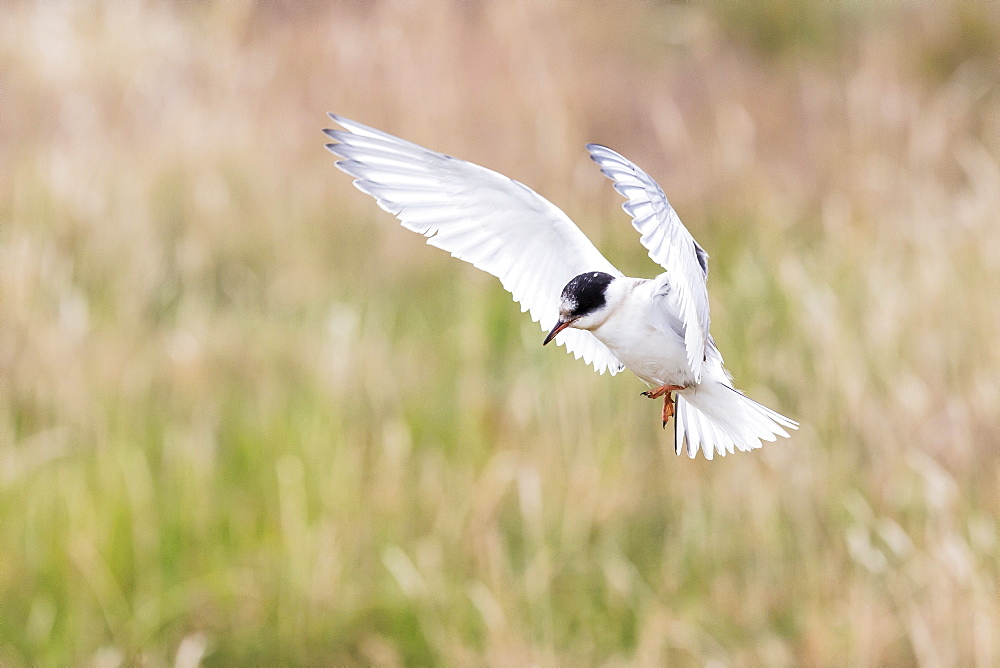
(658, 328)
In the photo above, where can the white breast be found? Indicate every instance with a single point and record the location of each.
(634, 334)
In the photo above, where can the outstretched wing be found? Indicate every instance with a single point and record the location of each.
(670, 245)
(493, 222)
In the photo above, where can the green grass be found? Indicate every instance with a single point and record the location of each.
(246, 418)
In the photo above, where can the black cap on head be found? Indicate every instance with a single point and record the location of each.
(586, 292)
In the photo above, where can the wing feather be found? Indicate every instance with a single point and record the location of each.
(669, 244)
(482, 217)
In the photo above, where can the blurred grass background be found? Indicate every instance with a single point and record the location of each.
(246, 418)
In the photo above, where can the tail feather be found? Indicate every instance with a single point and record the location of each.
(717, 418)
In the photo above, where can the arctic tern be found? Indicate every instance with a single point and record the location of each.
(658, 328)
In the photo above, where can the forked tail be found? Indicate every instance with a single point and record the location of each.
(718, 418)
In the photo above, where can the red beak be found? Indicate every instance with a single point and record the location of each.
(560, 326)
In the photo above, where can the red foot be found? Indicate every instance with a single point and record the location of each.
(668, 399)
(658, 392)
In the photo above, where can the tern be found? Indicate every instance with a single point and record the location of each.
(658, 328)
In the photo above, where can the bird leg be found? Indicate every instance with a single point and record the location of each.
(668, 399)
(658, 392)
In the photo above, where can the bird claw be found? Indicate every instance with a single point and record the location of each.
(668, 399)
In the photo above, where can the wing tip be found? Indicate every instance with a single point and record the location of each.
(595, 148)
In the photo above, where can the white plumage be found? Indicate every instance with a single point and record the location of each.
(658, 328)
(493, 222)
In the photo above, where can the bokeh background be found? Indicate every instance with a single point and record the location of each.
(246, 418)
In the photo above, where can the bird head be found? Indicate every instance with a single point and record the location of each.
(583, 303)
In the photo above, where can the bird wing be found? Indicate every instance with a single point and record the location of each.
(493, 222)
(670, 245)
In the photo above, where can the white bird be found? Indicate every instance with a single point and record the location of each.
(657, 328)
